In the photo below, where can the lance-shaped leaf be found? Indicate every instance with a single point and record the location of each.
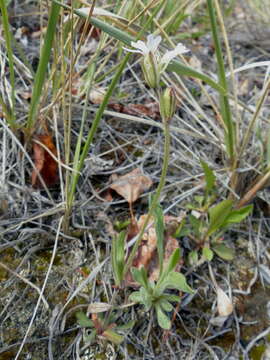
(210, 177)
(236, 216)
(163, 320)
(83, 320)
(218, 215)
(118, 257)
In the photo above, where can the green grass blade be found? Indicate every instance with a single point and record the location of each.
(43, 63)
(224, 100)
(7, 34)
(182, 69)
(118, 257)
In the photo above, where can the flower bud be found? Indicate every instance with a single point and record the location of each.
(167, 104)
(150, 70)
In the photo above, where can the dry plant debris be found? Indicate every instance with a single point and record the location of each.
(45, 164)
(151, 110)
(224, 303)
(147, 252)
(130, 186)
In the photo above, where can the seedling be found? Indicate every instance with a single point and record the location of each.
(207, 222)
(102, 327)
(154, 295)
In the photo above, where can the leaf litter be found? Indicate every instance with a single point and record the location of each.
(131, 185)
(45, 164)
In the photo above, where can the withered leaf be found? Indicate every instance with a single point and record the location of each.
(150, 110)
(45, 165)
(147, 253)
(224, 303)
(130, 186)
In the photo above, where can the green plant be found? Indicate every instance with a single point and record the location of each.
(153, 295)
(40, 76)
(10, 113)
(103, 327)
(208, 220)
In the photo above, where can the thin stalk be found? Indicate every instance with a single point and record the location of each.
(43, 63)
(255, 116)
(224, 100)
(231, 67)
(8, 40)
(69, 114)
(76, 160)
(94, 127)
(155, 198)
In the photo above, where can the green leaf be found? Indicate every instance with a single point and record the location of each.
(199, 199)
(210, 177)
(196, 225)
(146, 298)
(173, 261)
(182, 230)
(118, 257)
(113, 337)
(83, 320)
(236, 216)
(142, 297)
(218, 214)
(223, 251)
(140, 276)
(159, 227)
(182, 69)
(163, 320)
(193, 258)
(171, 297)
(40, 76)
(90, 338)
(207, 253)
(136, 297)
(176, 280)
(121, 225)
(8, 44)
(165, 305)
(129, 325)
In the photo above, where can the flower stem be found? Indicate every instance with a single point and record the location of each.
(155, 198)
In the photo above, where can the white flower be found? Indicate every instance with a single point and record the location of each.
(153, 64)
(143, 48)
(151, 45)
(169, 55)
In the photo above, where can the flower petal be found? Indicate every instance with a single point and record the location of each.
(141, 46)
(169, 55)
(153, 42)
(132, 50)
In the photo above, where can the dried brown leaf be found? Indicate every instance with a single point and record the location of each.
(45, 165)
(147, 253)
(150, 110)
(224, 303)
(131, 185)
